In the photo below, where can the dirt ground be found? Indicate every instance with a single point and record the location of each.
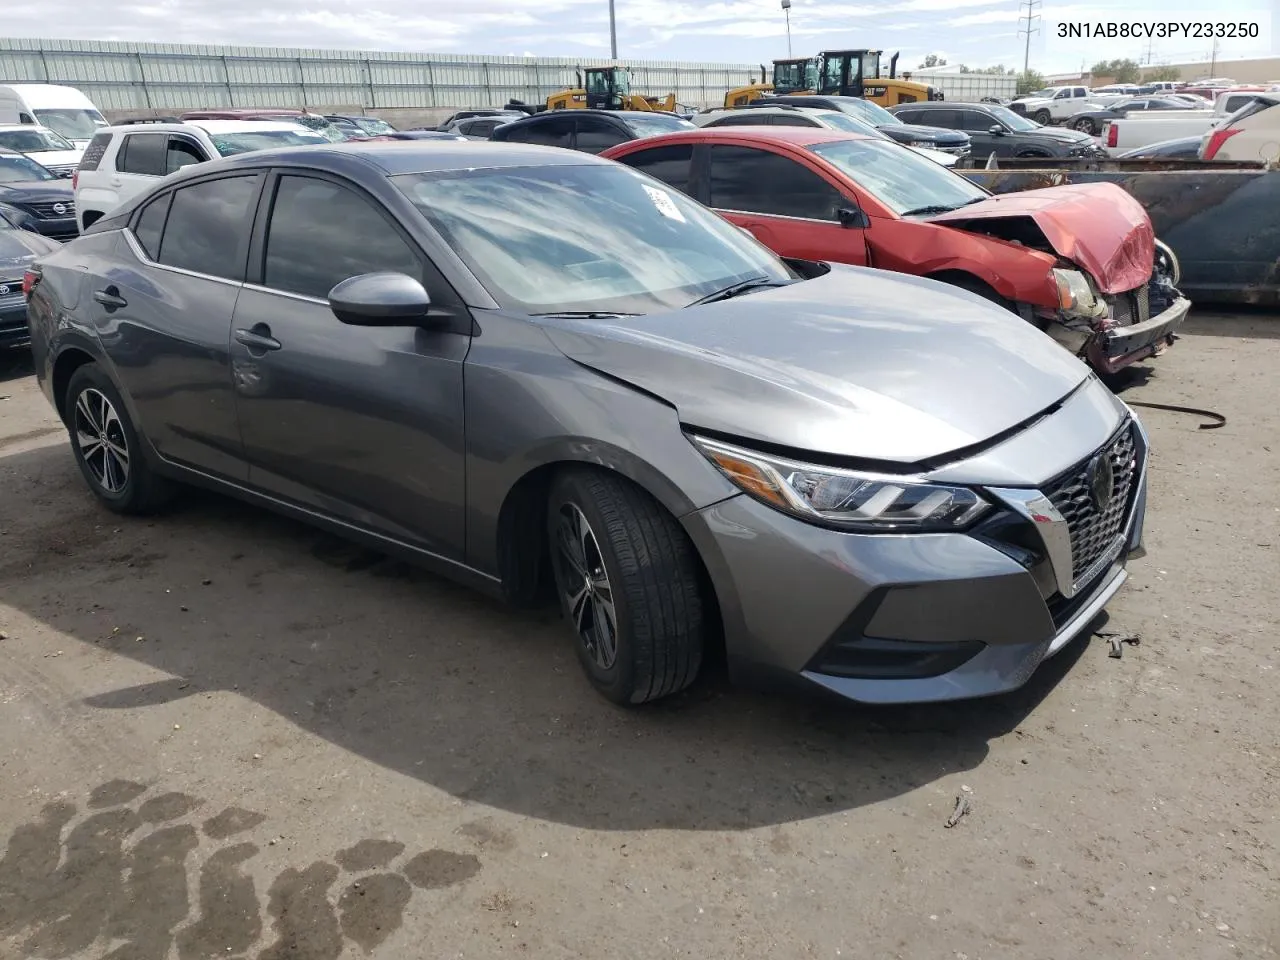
(224, 734)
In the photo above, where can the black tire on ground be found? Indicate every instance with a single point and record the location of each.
(1042, 117)
(971, 283)
(117, 471)
(635, 553)
(1032, 154)
(1085, 125)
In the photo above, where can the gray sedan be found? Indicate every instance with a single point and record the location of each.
(534, 370)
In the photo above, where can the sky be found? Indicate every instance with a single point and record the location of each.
(978, 33)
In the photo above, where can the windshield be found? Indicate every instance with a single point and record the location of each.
(873, 113)
(795, 76)
(72, 124)
(33, 141)
(19, 169)
(374, 126)
(658, 124)
(898, 178)
(229, 144)
(1014, 121)
(843, 121)
(871, 65)
(604, 238)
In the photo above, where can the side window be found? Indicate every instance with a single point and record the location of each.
(25, 117)
(551, 132)
(668, 164)
(749, 118)
(596, 134)
(793, 120)
(150, 225)
(1062, 94)
(322, 233)
(948, 119)
(910, 116)
(973, 121)
(207, 224)
(181, 153)
(94, 153)
(757, 181)
(143, 154)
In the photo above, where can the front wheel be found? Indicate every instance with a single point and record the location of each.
(628, 581)
(1042, 117)
(106, 445)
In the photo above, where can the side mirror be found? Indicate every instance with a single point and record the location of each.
(853, 217)
(380, 300)
(996, 130)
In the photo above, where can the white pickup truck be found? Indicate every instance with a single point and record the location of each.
(1141, 129)
(1056, 104)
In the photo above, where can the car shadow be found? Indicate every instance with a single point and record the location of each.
(15, 363)
(441, 684)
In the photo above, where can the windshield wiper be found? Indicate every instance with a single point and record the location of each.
(934, 208)
(736, 288)
(585, 314)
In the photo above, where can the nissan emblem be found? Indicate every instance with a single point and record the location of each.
(59, 208)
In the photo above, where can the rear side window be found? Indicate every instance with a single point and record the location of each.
(757, 181)
(207, 224)
(142, 154)
(95, 151)
(668, 164)
(321, 234)
(596, 134)
(150, 225)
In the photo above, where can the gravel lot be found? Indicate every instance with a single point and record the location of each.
(224, 734)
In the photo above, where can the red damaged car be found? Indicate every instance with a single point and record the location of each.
(1080, 262)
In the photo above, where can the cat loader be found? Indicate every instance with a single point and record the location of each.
(607, 88)
(856, 73)
(789, 76)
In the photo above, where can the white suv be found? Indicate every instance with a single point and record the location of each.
(51, 150)
(124, 160)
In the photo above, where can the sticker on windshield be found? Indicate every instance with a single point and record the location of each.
(662, 200)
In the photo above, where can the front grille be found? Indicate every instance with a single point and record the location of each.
(45, 210)
(11, 294)
(1095, 530)
(1132, 306)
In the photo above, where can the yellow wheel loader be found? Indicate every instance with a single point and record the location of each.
(856, 73)
(789, 76)
(607, 88)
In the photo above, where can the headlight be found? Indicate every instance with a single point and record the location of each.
(15, 215)
(915, 143)
(1075, 293)
(844, 498)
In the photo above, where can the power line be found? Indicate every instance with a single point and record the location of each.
(1029, 16)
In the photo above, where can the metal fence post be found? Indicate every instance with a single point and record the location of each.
(226, 79)
(302, 83)
(142, 78)
(368, 73)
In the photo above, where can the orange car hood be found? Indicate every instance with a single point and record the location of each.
(1096, 225)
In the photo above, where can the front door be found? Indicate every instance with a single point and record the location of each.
(360, 423)
(789, 207)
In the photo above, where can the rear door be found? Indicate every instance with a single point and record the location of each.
(789, 207)
(140, 162)
(364, 424)
(164, 316)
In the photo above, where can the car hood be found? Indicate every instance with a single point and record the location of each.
(36, 191)
(857, 363)
(937, 156)
(1056, 134)
(914, 131)
(1096, 225)
(57, 158)
(19, 247)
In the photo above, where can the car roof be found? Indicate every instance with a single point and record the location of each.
(395, 157)
(242, 126)
(793, 136)
(235, 112)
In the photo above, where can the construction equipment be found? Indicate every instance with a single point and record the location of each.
(607, 88)
(789, 76)
(856, 73)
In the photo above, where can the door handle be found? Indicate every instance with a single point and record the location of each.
(258, 337)
(110, 298)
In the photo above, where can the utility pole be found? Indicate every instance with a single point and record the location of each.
(1028, 17)
(1213, 62)
(786, 9)
(613, 34)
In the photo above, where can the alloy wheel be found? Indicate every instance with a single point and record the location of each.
(101, 439)
(585, 584)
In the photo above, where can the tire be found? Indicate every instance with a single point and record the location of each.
(633, 551)
(1042, 117)
(106, 446)
(974, 285)
(1085, 125)
(1032, 155)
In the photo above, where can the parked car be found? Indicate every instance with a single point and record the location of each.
(1091, 121)
(51, 150)
(786, 116)
(32, 198)
(1058, 104)
(891, 125)
(509, 113)
(481, 126)
(18, 249)
(1140, 129)
(312, 121)
(658, 415)
(416, 135)
(122, 161)
(358, 125)
(1252, 133)
(589, 131)
(994, 129)
(1182, 148)
(1078, 262)
(1198, 103)
(64, 110)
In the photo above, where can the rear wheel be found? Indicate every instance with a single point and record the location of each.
(106, 445)
(1086, 125)
(627, 578)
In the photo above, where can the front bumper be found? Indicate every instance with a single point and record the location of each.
(13, 317)
(1125, 345)
(909, 618)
